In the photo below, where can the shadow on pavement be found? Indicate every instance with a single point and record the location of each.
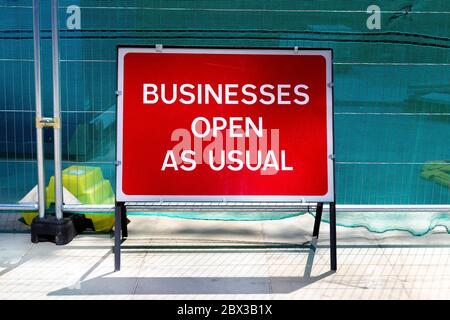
(112, 285)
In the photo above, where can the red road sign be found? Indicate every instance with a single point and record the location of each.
(233, 124)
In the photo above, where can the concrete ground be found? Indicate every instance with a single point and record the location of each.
(171, 258)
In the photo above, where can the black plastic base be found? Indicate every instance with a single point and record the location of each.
(60, 231)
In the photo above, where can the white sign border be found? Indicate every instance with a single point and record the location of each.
(328, 197)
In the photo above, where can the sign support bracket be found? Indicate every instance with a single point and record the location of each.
(121, 231)
(317, 219)
(316, 230)
(333, 246)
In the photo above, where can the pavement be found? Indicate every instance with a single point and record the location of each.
(168, 258)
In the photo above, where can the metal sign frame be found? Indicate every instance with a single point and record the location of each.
(213, 203)
(326, 53)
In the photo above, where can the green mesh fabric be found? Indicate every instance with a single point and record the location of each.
(392, 89)
(223, 216)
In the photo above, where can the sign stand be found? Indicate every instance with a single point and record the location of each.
(333, 251)
(317, 220)
(121, 231)
(222, 90)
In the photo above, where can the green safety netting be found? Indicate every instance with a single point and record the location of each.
(392, 89)
(416, 223)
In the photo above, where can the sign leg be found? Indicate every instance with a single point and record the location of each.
(333, 253)
(124, 219)
(317, 219)
(117, 238)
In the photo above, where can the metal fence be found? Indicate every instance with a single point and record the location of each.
(392, 94)
(18, 156)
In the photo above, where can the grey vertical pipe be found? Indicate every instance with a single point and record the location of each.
(37, 89)
(56, 112)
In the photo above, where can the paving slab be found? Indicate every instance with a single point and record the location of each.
(170, 258)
